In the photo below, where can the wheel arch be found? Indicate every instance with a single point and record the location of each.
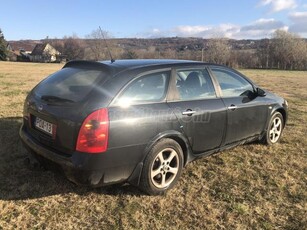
(283, 113)
(176, 136)
(134, 178)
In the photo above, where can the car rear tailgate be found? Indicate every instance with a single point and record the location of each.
(56, 108)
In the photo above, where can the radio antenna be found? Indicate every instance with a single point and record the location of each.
(106, 44)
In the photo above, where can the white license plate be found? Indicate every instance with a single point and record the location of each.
(44, 125)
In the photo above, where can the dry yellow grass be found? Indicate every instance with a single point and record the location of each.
(250, 187)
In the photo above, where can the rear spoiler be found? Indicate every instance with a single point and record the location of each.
(87, 65)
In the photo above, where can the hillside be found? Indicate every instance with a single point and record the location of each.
(263, 53)
(175, 43)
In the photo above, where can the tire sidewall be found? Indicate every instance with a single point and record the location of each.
(146, 182)
(268, 140)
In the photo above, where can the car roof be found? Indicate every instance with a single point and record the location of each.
(120, 65)
(134, 63)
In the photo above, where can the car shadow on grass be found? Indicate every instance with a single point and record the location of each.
(21, 179)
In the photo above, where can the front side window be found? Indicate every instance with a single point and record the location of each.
(232, 84)
(148, 88)
(194, 84)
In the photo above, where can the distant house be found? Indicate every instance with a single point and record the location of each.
(9, 47)
(19, 50)
(23, 45)
(44, 52)
(11, 54)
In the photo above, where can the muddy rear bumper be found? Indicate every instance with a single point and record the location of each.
(85, 169)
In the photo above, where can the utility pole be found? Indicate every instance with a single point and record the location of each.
(202, 54)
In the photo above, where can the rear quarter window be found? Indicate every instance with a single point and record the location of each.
(73, 84)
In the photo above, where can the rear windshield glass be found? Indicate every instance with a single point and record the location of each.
(68, 84)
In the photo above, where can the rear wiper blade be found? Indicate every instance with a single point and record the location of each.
(51, 98)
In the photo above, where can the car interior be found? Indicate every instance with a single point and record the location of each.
(194, 85)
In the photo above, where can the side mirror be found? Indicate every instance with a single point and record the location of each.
(260, 92)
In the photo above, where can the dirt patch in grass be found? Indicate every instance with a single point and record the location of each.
(249, 187)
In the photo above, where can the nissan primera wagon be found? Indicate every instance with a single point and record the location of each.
(142, 121)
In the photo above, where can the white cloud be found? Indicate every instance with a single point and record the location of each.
(153, 33)
(299, 22)
(189, 31)
(205, 31)
(156, 32)
(258, 29)
(261, 28)
(263, 24)
(298, 17)
(279, 5)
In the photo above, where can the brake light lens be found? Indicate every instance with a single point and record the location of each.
(94, 132)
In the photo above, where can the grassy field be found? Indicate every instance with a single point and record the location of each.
(250, 187)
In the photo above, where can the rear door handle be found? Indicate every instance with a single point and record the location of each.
(232, 107)
(188, 112)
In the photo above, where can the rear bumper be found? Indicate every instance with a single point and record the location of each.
(113, 166)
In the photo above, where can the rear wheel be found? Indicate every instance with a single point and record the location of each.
(162, 167)
(274, 129)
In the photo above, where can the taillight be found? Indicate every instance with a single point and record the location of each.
(93, 134)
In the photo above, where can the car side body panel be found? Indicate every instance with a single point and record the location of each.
(208, 120)
(247, 119)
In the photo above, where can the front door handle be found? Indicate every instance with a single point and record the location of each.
(232, 107)
(188, 112)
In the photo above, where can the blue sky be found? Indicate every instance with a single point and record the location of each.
(37, 19)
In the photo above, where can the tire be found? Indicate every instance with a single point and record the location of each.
(274, 129)
(162, 167)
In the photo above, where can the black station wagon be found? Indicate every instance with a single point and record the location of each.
(142, 121)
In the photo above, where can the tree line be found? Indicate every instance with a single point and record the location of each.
(283, 50)
(3, 50)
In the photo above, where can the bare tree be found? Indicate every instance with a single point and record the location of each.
(218, 51)
(263, 53)
(129, 54)
(288, 50)
(300, 55)
(97, 44)
(169, 53)
(73, 48)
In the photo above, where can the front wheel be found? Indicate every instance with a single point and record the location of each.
(274, 130)
(162, 167)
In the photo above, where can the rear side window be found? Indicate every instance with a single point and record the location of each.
(148, 88)
(69, 84)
